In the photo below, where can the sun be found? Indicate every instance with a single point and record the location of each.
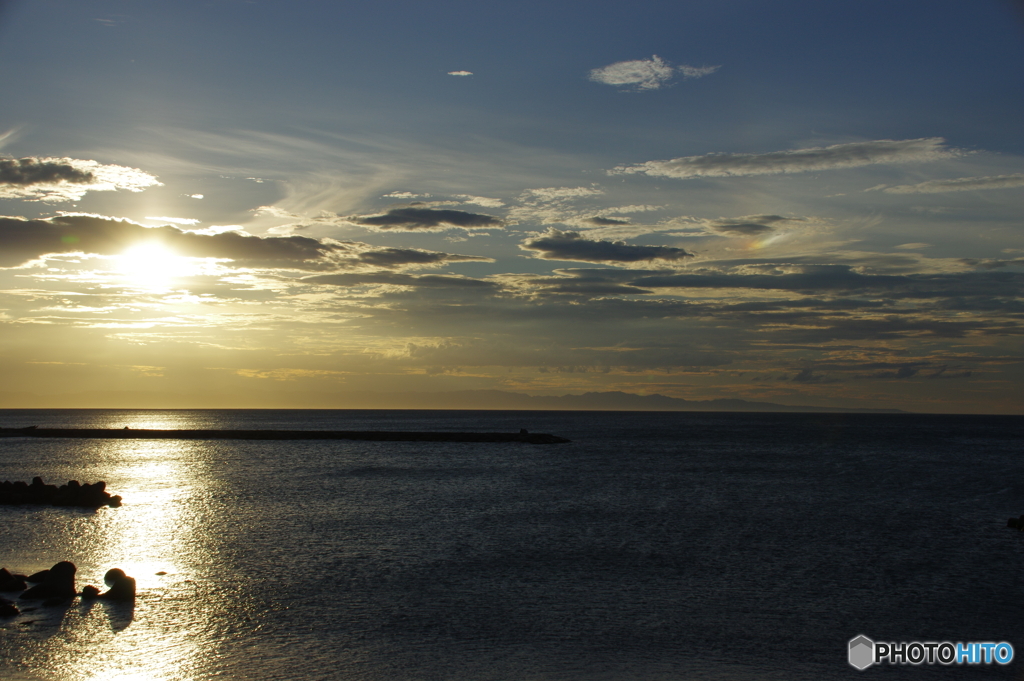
(151, 266)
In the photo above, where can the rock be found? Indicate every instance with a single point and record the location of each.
(122, 587)
(58, 585)
(8, 608)
(38, 577)
(9, 582)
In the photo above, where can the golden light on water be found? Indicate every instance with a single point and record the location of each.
(158, 538)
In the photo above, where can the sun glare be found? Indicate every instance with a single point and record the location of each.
(151, 266)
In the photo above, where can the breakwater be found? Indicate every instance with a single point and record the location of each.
(372, 435)
(72, 494)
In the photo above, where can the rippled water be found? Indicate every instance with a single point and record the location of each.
(654, 546)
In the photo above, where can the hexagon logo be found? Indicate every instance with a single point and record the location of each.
(862, 652)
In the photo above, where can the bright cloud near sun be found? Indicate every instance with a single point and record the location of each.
(176, 221)
(151, 266)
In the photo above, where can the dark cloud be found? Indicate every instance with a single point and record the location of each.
(742, 228)
(398, 279)
(982, 303)
(808, 376)
(827, 329)
(812, 278)
(992, 263)
(606, 222)
(66, 179)
(252, 249)
(906, 372)
(557, 245)
(562, 357)
(817, 278)
(588, 289)
(943, 372)
(412, 219)
(28, 171)
(905, 307)
(397, 257)
(830, 304)
(581, 283)
(902, 372)
(881, 370)
(750, 225)
(23, 240)
(834, 290)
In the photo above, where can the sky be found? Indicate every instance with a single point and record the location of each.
(254, 203)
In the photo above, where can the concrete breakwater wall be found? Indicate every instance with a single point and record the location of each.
(85, 495)
(372, 435)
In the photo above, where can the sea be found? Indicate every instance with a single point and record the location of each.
(655, 545)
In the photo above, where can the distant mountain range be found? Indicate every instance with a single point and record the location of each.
(462, 399)
(621, 401)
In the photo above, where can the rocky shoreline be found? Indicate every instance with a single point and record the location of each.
(56, 587)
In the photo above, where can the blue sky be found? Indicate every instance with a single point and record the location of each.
(797, 202)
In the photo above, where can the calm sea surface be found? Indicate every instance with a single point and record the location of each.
(654, 546)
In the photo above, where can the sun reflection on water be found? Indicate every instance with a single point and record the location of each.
(154, 420)
(157, 537)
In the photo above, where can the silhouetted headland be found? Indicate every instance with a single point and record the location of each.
(372, 435)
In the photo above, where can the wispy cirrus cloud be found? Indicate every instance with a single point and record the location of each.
(960, 184)
(455, 200)
(66, 179)
(558, 245)
(849, 155)
(646, 74)
(576, 207)
(697, 71)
